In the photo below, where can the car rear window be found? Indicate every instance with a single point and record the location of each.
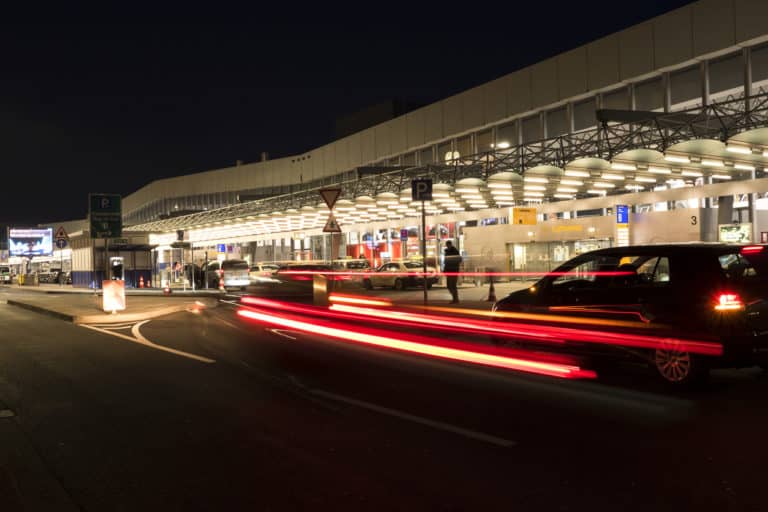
(737, 266)
(357, 265)
(413, 264)
(234, 265)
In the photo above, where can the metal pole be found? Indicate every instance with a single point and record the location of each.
(61, 270)
(424, 251)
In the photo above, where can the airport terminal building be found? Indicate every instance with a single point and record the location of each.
(657, 133)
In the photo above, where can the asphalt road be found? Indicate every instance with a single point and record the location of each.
(210, 412)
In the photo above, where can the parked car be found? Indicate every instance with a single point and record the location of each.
(291, 280)
(235, 273)
(710, 292)
(5, 274)
(400, 275)
(355, 270)
(262, 271)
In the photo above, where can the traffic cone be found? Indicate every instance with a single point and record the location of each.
(491, 292)
(141, 281)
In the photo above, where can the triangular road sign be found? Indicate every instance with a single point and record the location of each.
(332, 226)
(330, 195)
(61, 234)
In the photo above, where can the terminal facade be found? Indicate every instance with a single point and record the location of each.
(668, 118)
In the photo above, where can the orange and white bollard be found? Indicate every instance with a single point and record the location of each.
(221, 281)
(141, 281)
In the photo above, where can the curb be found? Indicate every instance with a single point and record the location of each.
(105, 318)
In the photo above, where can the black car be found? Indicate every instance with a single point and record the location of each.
(717, 293)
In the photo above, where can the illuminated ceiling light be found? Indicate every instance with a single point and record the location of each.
(563, 196)
(618, 166)
(692, 174)
(600, 184)
(645, 180)
(502, 145)
(500, 192)
(577, 174)
(744, 167)
(535, 179)
(567, 189)
(534, 187)
(721, 177)
(712, 163)
(735, 148)
(659, 188)
(634, 187)
(596, 192)
(609, 176)
(677, 158)
(456, 209)
(659, 170)
(472, 196)
(499, 184)
(466, 190)
(572, 182)
(533, 194)
(439, 194)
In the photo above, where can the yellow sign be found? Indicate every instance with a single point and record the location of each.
(524, 216)
(565, 228)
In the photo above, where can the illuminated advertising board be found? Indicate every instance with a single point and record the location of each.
(29, 242)
(739, 233)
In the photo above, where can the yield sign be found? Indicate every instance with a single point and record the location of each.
(330, 195)
(332, 226)
(61, 234)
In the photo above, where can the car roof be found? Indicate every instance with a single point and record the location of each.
(673, 248)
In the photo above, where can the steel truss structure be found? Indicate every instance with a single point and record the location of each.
(655, 131)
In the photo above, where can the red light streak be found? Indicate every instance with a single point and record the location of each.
(516, 330)
(372, 338)
(351, 299)
(750, 249)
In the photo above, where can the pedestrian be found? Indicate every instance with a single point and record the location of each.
(451, 264)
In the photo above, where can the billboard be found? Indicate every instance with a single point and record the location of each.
(30, 242)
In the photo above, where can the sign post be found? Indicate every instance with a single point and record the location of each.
(105, 216)
(330, 196)
(61, 242)
(421, 190)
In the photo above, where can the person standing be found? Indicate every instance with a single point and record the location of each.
(451, 264)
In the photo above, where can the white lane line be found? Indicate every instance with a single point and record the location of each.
(479, 436)
(141, 340)
(283, 333)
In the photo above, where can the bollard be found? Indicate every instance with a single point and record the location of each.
(491, 292)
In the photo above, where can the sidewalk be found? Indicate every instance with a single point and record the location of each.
(69, 289)
(86, 308)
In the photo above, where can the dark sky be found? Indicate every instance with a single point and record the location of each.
(110, 106)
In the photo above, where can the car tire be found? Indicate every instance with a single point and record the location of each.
(367, 284)
(399, 285)
(678, 368)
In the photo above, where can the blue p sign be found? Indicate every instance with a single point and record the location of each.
(421, 189)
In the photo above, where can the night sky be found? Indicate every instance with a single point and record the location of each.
(110, 106)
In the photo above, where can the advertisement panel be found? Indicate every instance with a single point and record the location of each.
(29, 242)
(739, 233)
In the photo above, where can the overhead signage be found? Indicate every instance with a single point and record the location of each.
(221, 247)
(61, 243)
(330, 195)
(106, 215)
(403, 235)
(118, 241)
(421, 189)
(622, 214)
(332, 226)
(524, 216)
(30, 242)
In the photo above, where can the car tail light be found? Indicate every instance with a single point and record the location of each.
(729, 302)
(752, 249)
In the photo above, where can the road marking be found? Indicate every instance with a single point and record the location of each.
(141, 340)
(472, 434)
(282, 332)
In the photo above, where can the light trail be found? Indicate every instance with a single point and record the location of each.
(410, 344)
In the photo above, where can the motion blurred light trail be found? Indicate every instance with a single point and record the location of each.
(415, 344)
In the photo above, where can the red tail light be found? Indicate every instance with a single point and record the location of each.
(751, 249)
(729, 302)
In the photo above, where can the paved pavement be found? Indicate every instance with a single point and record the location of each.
(85, 306)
